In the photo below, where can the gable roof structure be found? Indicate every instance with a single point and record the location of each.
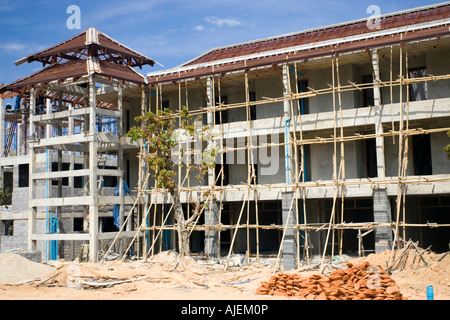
(394, 28)
(90, 52)
(93, 42)
(75, 69)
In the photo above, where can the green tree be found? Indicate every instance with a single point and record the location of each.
(447, 148)
(4, 197)
(159, 132)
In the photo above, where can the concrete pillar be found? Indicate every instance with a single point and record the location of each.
(2, 126)
(211, 237)
(381, 166)
(20, 139)
(71, 131)
(381, 205)
(288, 119)
(382, 214)
(48, 109)
(209, 101)
(48, 168)
(93, 192)
(212, 213)
(289, 245)
(120, 155)
(32, 211)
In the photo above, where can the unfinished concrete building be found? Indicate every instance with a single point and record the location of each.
(70, 167)
(331, 143)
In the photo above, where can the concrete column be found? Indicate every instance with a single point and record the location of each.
(289, 245)
(2, 126)
(72, 154)
(93, 192)
(209, 101)
(211, 237)
(48, 109)
(288, 119)
(20, 124)
(120, 153)
(212, 213)
(120, 163)
(382, 213)
(381, 204)
(381, 166)
(71, 128)
(32, 211)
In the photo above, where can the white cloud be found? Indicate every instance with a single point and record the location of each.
(199, 28)
(14, 46)
(231, 22)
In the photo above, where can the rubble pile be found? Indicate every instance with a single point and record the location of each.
(355, 282)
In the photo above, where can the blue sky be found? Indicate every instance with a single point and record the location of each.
(169, 31)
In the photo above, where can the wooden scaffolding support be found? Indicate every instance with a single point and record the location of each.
(296, 141)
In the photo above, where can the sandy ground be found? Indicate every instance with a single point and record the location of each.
(163, 278)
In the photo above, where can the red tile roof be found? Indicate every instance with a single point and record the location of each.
(323, 34)
(73, 69)
(240, 57)
(78, 46)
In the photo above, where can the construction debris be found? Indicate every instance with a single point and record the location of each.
(356, 282)
(156, 278)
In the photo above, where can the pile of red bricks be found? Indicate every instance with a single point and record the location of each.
(359, 282)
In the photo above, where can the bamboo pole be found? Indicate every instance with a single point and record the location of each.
(391, 92)
(336, 176)
(333, 219)
(121, 227)
(324, 91)
(400, 186)
(236, 228)
(339, 181)
(405, 155)
(137, 232)
(295, 149)
(302, 167)
(222, 157)
(342, 153)
(285, 227)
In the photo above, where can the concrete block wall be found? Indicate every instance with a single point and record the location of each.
(20, 238)
(382, 214)
(20, 199)
(289, 244)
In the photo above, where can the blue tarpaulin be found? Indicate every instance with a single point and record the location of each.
(116, 209)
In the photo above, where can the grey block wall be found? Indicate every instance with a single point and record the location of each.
(211, 237)
(290, 240)
(19, 239)
(382, 214)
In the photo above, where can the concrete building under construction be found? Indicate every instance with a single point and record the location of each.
(331, 142)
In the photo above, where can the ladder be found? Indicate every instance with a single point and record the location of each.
(11, 134)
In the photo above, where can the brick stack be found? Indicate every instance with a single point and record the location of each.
(356, 282)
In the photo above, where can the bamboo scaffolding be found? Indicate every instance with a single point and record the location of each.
(317, 92)
(297, 141)
(299, 227)
(342, 154)
(302, 171)
(243, 187)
